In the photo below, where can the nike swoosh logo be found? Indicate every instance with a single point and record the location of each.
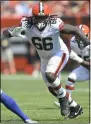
(78, 111)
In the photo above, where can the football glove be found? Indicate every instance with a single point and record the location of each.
(7, 33)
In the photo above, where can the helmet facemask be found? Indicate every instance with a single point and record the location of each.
(86, 31)
(40, 22)
(80, 43)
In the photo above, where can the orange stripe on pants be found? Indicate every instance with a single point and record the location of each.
(69, 87)
(60, 64)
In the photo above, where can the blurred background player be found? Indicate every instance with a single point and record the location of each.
(53, 55)
(11, 104)
(80, 54)
(7, 57)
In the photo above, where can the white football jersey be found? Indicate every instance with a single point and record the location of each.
(48, 41)
(84, 53)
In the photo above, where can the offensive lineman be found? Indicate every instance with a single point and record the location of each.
(80, 54)
(43, 31)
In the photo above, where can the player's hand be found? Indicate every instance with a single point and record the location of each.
(7, 33)
(75, 57)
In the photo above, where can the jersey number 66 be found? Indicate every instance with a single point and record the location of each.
(42, 44)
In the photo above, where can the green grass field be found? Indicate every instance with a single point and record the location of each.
(35, 100)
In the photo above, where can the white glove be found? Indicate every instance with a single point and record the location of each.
(17, 32)
(75, 57)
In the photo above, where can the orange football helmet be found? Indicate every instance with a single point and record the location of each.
(40, 13)
(40, 9)
(86, 31)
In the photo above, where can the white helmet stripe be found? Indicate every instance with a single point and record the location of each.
(41, 7)
(80, 26)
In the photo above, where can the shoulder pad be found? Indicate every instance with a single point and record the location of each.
(57, 23)
(26, 22)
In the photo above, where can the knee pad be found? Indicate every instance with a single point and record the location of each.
(50, 77)
(71, 80)
(72, 76)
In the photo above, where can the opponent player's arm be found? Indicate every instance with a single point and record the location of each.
(74, 30)
(78, 59)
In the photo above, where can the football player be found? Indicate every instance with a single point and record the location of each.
(43, 32)
(11, 104)
(80, 54)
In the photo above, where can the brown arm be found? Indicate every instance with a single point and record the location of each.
(74, 30)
